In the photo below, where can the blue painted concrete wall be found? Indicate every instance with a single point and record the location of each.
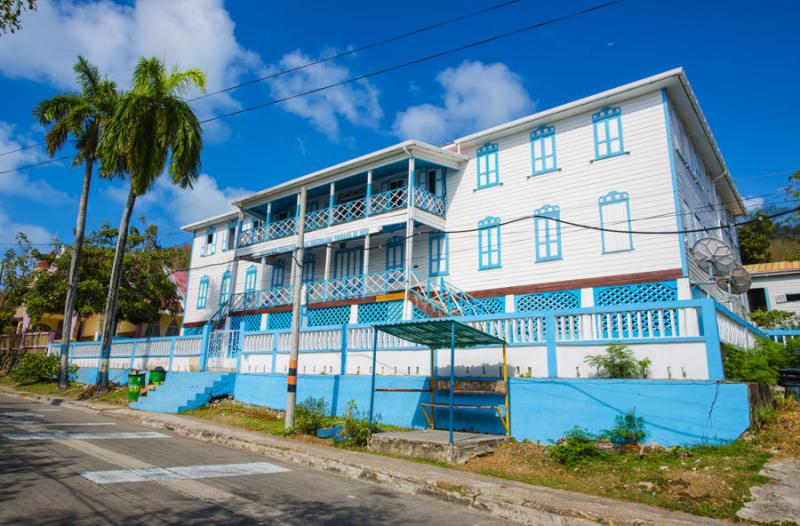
(88, 375)
(676, 412)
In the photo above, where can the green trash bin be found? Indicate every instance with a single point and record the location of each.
(157, 376)
(135, 384)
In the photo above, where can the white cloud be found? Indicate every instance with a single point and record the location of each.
(189, 33)
(10, 228)
(476, 96)
(754, 204)
(181, 206)
(17, 184)
(356, 103)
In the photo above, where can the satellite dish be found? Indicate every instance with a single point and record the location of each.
(714, 255)
(737, 282)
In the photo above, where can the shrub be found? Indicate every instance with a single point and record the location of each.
(357, 428)
(774, 319)
(619, 362)
(577, 447)
(759, 364)
(629, 429)
(310, 415)
(36, 368)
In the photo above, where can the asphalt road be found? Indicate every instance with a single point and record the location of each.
(64, 466)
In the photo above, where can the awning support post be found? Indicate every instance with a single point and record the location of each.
(374, 363)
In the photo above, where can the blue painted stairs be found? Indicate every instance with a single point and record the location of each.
(184, 391)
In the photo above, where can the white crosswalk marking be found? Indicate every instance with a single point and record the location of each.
(20, 414)
(82, 424)
(182, 472)
(83, 436)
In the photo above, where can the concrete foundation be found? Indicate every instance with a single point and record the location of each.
(435, 445)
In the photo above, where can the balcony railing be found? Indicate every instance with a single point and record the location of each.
(344, 212)
(356, 286)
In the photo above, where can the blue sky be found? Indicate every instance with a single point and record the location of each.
(742, 58)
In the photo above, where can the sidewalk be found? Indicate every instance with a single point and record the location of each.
(515, 501)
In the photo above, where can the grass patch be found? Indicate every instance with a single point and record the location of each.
(75, 391)
(234, 414)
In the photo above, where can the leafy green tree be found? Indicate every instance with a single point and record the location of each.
(761, 363)
(153, 126)
(82, 116)
(18, 265)
(755, 239)
(11, 12)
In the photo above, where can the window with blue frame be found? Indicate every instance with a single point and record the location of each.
(229, 237)
(395, 253)
(489, 243)
(543, 149)
(225, 288)
(608, 133)
(438, 252)
(209, 242)
(309, 267)
(202, 293)
(615, 214)
(488, 173)
(278, 274)
(547, 233)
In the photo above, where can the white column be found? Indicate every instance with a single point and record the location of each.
(369, 193)
(366, 261)
(331, 202)
(409, 239)
(328, 250)
(264, 282)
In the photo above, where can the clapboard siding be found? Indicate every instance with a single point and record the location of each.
(644, 174)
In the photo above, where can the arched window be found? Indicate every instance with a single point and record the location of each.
(547, 233)
(488, 172)
(202, 293)
(607, 133)
(615, 213)
(225, 288)
(489, 243)
(543, 149)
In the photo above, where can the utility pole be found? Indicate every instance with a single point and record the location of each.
(297, 284)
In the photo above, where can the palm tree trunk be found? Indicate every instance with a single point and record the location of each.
(69, 304)
(110, 318)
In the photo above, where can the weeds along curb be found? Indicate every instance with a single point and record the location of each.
(500, 498)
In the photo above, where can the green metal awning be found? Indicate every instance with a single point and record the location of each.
(437, 334)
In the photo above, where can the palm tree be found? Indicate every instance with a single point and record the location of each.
(82, 116)
(152, 126)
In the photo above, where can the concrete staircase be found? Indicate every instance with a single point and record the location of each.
(184, 391)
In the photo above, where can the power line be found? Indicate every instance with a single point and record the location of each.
(419, 60)
(359, 49)
(34, 165)
(21, 149)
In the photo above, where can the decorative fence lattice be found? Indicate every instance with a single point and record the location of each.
(665, 320)
(419, 314)
(566, 299)
(429, 202)
(192, 331)
(279, 320)
(380, 312)
(317, 219)
(251, 236)
(495, 305)
(386, 201)
(329, 316)
(252, 322)
(282, 228)
(349, 211)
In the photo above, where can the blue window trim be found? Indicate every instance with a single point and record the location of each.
(226, 235)
(278, 277)
(225, 288)
(250, 278)
(209, 249)
(487, 178)
(202, 293)
(309, 267)
(341, 254)
(606, 118)
(611, 198)
(541, 135)
(442, 261)
(489, 228)
(550, 228)
(395, 244)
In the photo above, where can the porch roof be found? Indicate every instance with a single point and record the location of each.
(372, 160)
(438, 334)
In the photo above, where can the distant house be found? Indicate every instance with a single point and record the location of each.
(88, 328)
(776, 286)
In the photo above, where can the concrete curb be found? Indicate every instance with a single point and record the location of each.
(504, 499)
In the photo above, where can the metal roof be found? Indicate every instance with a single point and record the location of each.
(774, 267)
(437, 333)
